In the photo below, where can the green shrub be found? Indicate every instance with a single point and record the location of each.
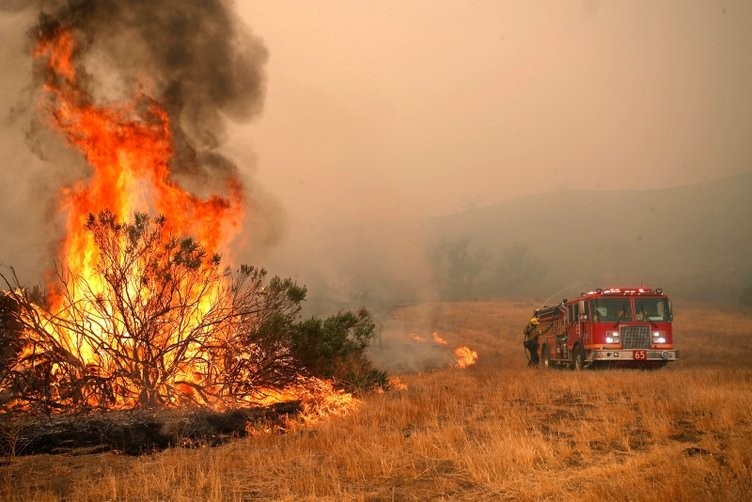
(335, 348)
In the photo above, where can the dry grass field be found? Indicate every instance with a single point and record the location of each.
(495, 431)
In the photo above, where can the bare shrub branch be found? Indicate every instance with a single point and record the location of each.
(157, 322)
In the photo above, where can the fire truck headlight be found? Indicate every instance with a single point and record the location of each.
(659, 337)
(612, 337)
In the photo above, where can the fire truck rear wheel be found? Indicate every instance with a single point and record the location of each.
(578, 358)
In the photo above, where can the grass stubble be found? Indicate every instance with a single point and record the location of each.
(496, 431)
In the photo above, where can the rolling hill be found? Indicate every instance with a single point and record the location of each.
(693, 239)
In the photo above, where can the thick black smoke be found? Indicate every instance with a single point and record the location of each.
(195, 57)
(192, 56)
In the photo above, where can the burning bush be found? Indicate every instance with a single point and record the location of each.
(158, 322)
(10, 338)
(141, 314)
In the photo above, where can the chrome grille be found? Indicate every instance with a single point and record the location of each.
(635, 337)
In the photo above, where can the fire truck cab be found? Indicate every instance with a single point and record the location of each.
(614, 327)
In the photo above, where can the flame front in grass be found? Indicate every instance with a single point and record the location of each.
(417, 338)
(318, 400)
(465, 357)
(438, 339)
(396, 384)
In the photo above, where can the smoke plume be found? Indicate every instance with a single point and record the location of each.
(194, 57)
(190, 56)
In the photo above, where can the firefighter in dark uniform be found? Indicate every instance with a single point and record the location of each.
(532, 332)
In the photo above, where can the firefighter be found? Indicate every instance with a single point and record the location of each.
(532, 332)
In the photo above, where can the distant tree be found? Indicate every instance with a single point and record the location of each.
(516, 271)
(461, 272)
(456, 268)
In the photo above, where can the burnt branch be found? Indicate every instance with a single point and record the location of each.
(155, 322)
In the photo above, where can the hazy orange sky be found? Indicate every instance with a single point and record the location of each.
(394, 108)
(384, 111)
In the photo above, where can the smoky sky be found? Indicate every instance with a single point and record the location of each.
(421, 107)
(396, 111)
(381, 114)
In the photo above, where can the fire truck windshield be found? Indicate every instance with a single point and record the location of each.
(611, 309)
(652, 309)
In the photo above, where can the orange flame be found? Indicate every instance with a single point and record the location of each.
(438, 339)
(318, 399)
(129, 148)
(465, 357)
(396, 384)
(417, 338)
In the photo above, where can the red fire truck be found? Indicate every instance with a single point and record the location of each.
(615, 327)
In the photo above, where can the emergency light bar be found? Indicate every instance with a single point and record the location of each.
(619, 291)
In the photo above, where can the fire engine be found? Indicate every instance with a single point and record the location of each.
(614, 327)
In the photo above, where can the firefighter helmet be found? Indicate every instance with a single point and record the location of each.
(534, 320)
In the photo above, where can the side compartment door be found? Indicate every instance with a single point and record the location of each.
(586, 323)
(565, 343)
(583, 328)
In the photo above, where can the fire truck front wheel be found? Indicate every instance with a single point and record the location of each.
(578, 358)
